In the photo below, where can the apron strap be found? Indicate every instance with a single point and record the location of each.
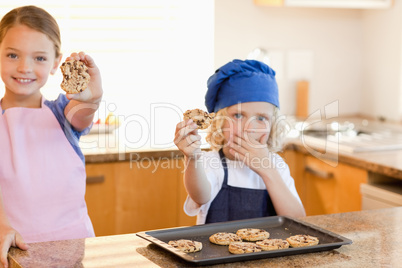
(225, 168)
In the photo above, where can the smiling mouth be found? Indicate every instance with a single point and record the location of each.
(24, 80)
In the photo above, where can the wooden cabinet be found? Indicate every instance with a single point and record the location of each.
(128, 197)
(325, 187)
(101, 197)
(136, 196)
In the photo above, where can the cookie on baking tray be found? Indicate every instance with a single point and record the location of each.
(243, 247)
(252, 234)
(273, 244)
(185, 245)
(75, 76)
(200, 117)
(224, 238)
(297, 241)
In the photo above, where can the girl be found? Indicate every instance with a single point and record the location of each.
(242, 177)
(42, 171)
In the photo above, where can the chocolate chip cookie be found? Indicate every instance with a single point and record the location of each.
(243, 247)
(273, 244)
(75, 76)
(297, 241)
(224, 238)
(252, 234)
(185, 245)
(200, 117)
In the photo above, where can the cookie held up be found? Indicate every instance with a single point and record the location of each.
(200, 117)
(75, 76)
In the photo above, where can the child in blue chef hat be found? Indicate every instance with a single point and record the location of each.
(242, 177)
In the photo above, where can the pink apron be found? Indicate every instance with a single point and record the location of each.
(42, 179)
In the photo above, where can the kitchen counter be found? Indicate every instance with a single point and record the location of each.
(113, 147)
(376, 236)
(132, 155)
(383, 162)
(386, 163)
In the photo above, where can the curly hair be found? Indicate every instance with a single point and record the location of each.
(279, 130)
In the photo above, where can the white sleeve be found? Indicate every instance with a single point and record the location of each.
(214, 173)
(190, 207)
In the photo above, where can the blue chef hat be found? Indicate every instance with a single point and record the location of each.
(241, 81)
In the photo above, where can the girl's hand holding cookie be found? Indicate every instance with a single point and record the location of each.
(187, 139)
(94, 92)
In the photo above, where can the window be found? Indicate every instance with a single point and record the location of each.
(155, 57)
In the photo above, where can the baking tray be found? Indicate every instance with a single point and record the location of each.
(278, 227)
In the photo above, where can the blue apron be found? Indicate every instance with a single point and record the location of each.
(235, 203)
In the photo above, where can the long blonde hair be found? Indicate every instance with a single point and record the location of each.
(279, 130)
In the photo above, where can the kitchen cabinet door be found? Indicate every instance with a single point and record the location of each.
(319, 188)
(101, 198)
(147, 196)
(150, 195)
(183, 219)
(295, 162)
(128, 197)
(331, 188)
(323, 188)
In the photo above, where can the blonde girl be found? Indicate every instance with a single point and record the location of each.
(242, 177)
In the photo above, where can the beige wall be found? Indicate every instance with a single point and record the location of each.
(339, 42)
(382, 90)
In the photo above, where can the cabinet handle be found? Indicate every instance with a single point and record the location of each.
(95, 179)
(319, 173)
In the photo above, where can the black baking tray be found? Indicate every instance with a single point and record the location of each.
(278, 227)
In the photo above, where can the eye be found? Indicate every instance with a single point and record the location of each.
(262, 118)
(12, 56)
(40, 58)
(238, 116)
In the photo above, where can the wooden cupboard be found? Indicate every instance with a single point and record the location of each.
(128, 197)
(325, 187)
(132, 196)
(100, 197)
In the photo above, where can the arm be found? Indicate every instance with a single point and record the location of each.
(8, 236)
(82, 107)
(258, 158)
(195, 180)
(284, 201)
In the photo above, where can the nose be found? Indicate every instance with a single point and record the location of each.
(24, 66)
(251, 124)
(254, 125)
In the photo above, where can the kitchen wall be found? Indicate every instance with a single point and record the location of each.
(350, 56)
(382, 70)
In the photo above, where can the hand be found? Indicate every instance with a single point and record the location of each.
(9, 238)
(93, 94)
(252, 151)
(187, 139)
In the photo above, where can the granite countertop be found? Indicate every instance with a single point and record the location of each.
(376, 236)
(377, 150)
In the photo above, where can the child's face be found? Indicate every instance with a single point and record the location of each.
(27, 57)
(250, 120)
